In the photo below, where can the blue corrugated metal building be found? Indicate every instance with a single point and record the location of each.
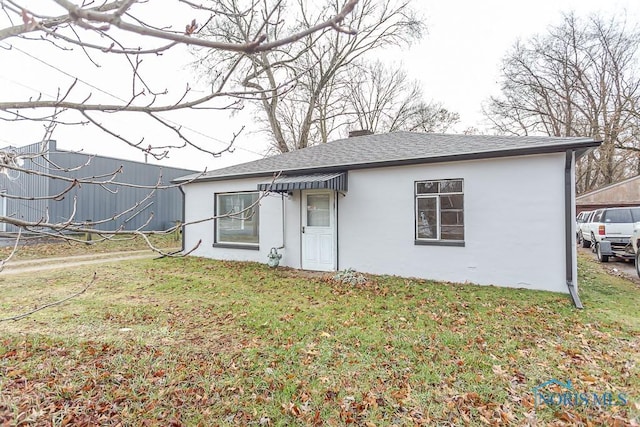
(29, 196)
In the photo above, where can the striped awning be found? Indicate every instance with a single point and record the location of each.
(318, 181)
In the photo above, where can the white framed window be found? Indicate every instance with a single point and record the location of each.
(239, 219)
(439, 211)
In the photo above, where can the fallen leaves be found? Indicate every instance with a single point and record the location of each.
(232, 343)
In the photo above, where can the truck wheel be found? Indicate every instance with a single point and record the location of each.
(593, 243)
(638, 262)
(601, 258)
(583, 243)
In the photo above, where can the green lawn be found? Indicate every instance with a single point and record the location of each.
(201, 342)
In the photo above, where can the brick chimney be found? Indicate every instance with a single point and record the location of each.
(360, 132)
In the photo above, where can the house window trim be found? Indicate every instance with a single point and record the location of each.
(233, 245)
(435, 241)
(251, 247)
(455, 243)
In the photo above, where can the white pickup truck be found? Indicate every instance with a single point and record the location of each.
(609, 232)
(583, 224)
(635, 243)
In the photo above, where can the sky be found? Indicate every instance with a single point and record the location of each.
(458, 63)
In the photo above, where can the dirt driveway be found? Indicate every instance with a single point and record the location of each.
(616, 266)
(44, 264)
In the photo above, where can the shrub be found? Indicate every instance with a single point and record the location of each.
(350, 277)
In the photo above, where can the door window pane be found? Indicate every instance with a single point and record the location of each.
(318, 210)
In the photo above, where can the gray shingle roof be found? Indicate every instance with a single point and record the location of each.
(392, 149)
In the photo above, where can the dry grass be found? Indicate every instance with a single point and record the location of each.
(201, 342)
(61, 248)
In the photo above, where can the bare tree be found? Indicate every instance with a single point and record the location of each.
(130, 31)
(311, 108)
(383, 99)
(578, 79)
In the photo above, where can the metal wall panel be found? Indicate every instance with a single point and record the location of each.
(118, 206)
(147, 209)
(24, 194)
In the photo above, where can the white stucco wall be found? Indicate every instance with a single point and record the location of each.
(199, 205)
(514, 223)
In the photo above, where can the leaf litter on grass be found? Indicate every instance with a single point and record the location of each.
(214, 343)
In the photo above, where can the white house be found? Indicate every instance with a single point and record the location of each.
(489, 210)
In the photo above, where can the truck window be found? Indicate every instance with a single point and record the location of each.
(618, 216)
(635, 214)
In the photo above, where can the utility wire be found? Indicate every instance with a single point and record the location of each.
(26, 86)
(114, 96)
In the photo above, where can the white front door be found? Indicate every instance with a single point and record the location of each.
(318, 230)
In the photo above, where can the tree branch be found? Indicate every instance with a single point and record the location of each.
(52, 304)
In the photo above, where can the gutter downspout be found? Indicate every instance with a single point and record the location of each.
(184, 216)
(568, 223)
(283, 222)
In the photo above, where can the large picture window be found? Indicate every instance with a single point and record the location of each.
(240, 226)
(439, 211)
